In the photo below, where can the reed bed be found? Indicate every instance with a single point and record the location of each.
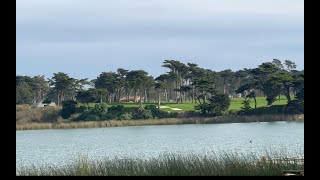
(231, 164)
(173, 121)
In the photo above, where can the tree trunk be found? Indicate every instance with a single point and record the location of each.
(166, 95)
(175, 92)
(115, 98)
(61, 99)
(119, 95)
(238, 84)
(135, 95)
(159, 99)
(126, 94)
(140, 97)
(287, 94)
(204, 97)
(193, 100)
(255, 102)
(145, 99)
(58, 98)
(129, 94)
(199, 100)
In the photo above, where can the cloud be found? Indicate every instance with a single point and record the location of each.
(151, 10)
(86, 35)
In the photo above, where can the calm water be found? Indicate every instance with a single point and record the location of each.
(61, 146)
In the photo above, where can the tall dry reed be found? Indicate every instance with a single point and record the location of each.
(120, 123)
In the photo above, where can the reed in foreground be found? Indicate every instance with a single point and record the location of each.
(171, 165)
(172, 121)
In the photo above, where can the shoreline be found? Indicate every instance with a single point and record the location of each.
(170, 121)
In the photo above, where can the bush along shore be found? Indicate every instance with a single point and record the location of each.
(225, 164)
(167, 121)
(78, 115)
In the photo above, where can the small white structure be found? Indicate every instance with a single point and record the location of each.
(52, 104)
(40, 105)
(37, 105)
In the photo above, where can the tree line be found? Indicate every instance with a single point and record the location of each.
(182, 82)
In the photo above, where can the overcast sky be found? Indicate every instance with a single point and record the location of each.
(86, 37)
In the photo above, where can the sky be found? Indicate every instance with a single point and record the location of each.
(86, 37)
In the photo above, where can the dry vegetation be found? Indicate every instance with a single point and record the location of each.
(171, 165)
(24, 114)
(48, 118)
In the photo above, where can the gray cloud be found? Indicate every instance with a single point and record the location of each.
(85, 37)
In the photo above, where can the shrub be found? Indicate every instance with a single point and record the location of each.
(98, 110)
(68, 108)
(142, 114)
(82, 108)
(232, 112)
(50, 114)
(216, 106)
(116, 111)
(295, 107)
(204, 108)
(125, 116)
(219, 103)
(92, 117)
(75, 117)
(107, 117)
(246, 104)
(173, 114)
(188, 114)
(154, 110)
(275, 109)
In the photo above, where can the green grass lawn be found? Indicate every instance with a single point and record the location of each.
(236, 103)
(188, 106)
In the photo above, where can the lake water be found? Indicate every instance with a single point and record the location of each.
(61, 146)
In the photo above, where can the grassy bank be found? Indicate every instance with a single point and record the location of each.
(235, 104)
(25, 114)
(171, 165)
(121, 123)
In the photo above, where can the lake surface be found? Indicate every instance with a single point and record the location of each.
(61, 146)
